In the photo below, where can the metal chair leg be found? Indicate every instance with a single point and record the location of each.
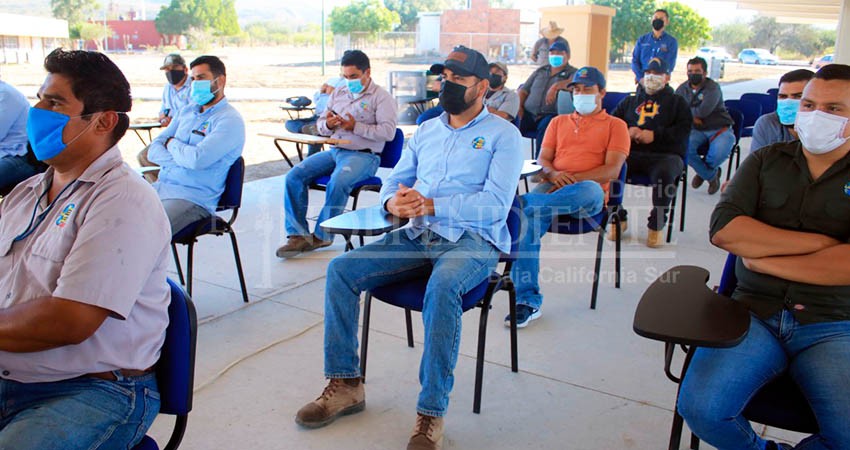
(409, 323)
(238, 265)
(684, 202)
(177, 264)
(512, 305)
(671, 213)
(364, 335)
(479, 362)
(189, 268)
(617, 246)
(596, 268)
(694, 442)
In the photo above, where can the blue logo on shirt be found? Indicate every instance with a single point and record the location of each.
(478, 143)
(66, 213)
(847, 189)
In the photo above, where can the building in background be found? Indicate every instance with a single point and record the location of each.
(28, 39)
(129, 34)
(495, 32)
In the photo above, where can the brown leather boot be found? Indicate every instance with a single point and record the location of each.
(295, 245)
(427, 434)
(655, 238)
(341, 397)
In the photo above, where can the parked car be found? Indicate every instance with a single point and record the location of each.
(757, 56)
(719, 53)
(823, 61)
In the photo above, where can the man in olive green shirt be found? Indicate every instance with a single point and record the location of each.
(786, 214)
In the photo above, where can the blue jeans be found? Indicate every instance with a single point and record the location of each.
(13, 170)
(297, 126)
(582, 199)
(720, 382)
(345, 167)
(456, 268)
(80, 413)
(719, 149)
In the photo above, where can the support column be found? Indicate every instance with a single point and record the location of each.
(842, 40)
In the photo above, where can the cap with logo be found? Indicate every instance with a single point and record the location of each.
(656, 65)
(464, 62)
(588, 76)
(500, 65)
(559, 46)
(173, 59)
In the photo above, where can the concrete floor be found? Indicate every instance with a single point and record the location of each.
(586, 380)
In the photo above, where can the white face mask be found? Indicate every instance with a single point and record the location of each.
(653, 83)
(820, 132)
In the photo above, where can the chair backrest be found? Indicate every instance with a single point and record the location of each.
(565, 102)
(767, 102)
(728, 280)
(514, 222)
(175, 371)
(231, 198)
(616, 188)
(392, 150)
(612, 99)
(750, 109)
(773, 92)
(738, 125)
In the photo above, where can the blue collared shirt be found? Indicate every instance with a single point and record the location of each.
(14, 108)
(471, 173)
(174, 100)
(205, 145)
(647, 47)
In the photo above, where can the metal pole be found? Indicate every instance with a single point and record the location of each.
(323, 38)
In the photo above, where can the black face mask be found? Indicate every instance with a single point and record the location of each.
(696, 78)
(175, 76)
(453, 97)
(657, 24)
(496, 81)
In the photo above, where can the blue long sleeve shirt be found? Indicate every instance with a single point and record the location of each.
(14, 109)
(174, 100)
(205, 145)
(647, 47)
(471, 173)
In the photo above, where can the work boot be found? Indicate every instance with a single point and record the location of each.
(714, 183)
(612, 230)
(697, 182)
(295, 245)
(427, 434)
(341, 397)
(655, 238)
(316, 243)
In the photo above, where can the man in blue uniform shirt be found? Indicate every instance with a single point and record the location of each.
(655, 44)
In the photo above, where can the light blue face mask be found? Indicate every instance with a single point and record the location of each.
(556, 60)
(201, 92)
(44, 131)
(354, 86)
(584, 103)
(786, 109)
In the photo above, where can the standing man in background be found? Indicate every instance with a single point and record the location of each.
(655, 44)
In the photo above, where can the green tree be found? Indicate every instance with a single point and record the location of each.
(735, 36)
(181, 16)
(76, 12)
(632, 20)
(369, 16)
(175, 19)
(223, 19)
(686, 25)
(408, 10)
(767, 33)
(96, 32)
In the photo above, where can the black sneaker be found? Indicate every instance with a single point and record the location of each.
(524, 315)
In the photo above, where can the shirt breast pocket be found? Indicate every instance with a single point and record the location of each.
(53, 245)
(473, 165)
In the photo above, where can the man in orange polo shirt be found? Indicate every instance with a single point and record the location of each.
(580, 154)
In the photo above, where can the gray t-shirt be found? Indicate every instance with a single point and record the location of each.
(505, 100)
(768, 130)
(538, 85)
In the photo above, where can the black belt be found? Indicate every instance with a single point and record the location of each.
(363, 150)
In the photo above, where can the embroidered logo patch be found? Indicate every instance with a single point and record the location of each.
(847, 188)
(204, 127)
(478, 143)
(364, 106)
(64, 215)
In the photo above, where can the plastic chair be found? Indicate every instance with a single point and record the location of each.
(598, 223)
(231, 199)
(773, 92)
(737, 128)
(642, 180)
(612, 99)
(175, 370)
(389, 158)
(751, 111)
(410, 296)
(767, 101)
(565, 102)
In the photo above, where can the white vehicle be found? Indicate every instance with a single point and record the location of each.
(757, 56)
(718, 53)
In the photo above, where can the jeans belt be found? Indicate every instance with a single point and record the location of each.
(109, 376)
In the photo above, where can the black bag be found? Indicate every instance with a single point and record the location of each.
(299, 102)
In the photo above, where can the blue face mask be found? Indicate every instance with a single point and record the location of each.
(355, 86)
(786, 109)
(44, 131)
(556, 60)
(201, 92)
(584, 103)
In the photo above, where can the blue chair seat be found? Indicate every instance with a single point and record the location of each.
(323, 181)
(216, 225)
(410, 294)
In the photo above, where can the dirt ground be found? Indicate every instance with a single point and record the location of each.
(297, 71)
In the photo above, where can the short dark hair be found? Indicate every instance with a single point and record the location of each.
(96, 81)
(834, 72)
(698, 60)
(666, 14)
(355, 58)
(796, 75)
(216, 66)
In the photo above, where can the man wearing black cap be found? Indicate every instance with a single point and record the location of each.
(659, 124)
(538, 95)
(456, 182)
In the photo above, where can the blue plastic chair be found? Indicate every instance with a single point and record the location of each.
(598, 223)
(389, 158)
(565, 102)
(612, 99)
(737, 128)
(175, 370)
(231, 199)
(767, 101)
(410, 295)
(773, 92)
(642, 180)
(751, 111)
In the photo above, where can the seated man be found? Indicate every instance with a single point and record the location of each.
(456, 181)
(175, 94)
(712, 125)
(320, 102)
(361, 112)
(500, 99)
(778, 126)
(539, 94)
(85, 302)
(198, 148)
(581, 152)
(659, 122)
(786, 214)
(16, 164)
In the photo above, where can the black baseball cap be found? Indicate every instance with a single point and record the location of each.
(464, 62)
